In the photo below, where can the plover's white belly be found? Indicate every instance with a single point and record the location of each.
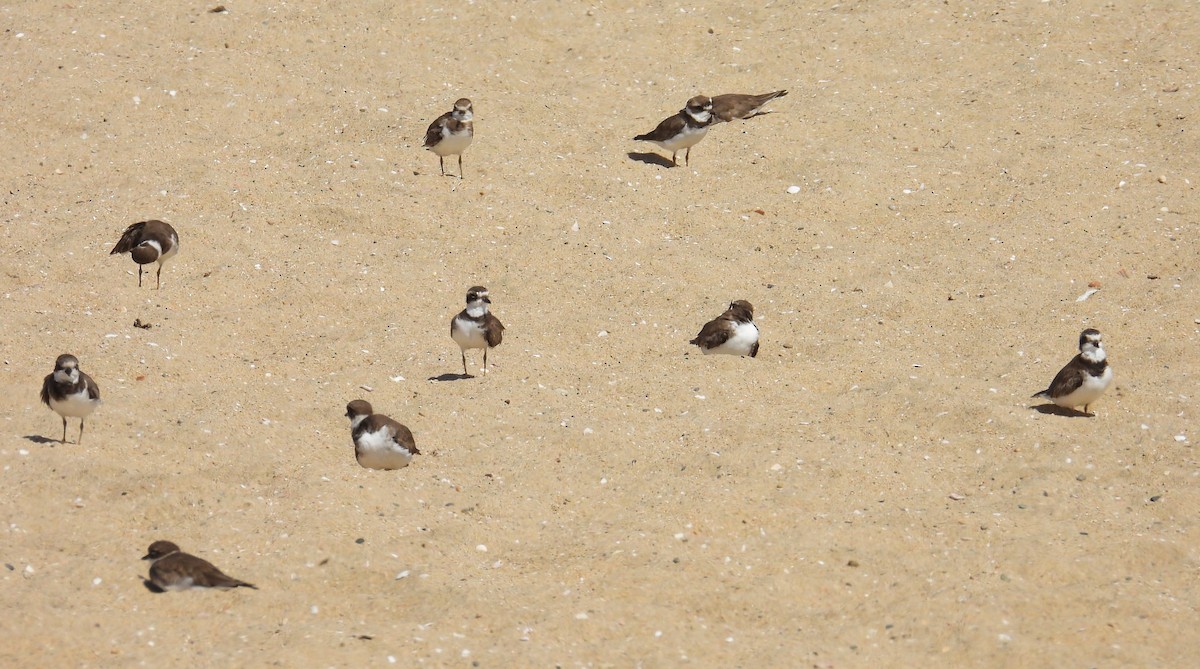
(78, 405)
(686, 139)
(741, 343)
(1090, 391)
(377, 450)
(467, 334)
(452, 143)
(179, 585)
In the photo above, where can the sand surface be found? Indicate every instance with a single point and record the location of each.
(874, 489)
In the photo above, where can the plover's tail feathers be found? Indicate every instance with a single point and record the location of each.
(129, 239)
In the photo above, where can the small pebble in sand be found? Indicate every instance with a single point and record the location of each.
(793, 189)
(957, 496)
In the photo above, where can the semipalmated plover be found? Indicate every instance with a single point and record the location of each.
(733, 332)
(1084, 379)
(740, 105)
(70, 392)
(476, 327)
(452, 133)
(379, 441)
(683, 130)
(147, 242)
(172, 569)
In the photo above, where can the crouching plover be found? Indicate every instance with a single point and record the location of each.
(172, 569)
(476, 327)
(70, 392)
(683, 130)
(147, 242)
(740, 105)
(1083, 380)
(733, 332)
(379, 441)
(451, 134)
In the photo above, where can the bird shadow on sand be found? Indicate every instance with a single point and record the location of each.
(1055, 410)
(450, 377)
(39, 439)
(650, 159)
(151, 587)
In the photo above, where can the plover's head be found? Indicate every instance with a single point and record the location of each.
(146, 252)
(463, 110)
(358, 409)
(66, 362)
(477, 295)
(742, 310)
(699, 108)
(1091, 346)
(66, 368)
(160, 549)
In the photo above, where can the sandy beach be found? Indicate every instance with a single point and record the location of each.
(875, 489)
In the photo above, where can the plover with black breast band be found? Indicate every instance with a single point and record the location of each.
(148, 242)
(379, 441)
(731, 333)
(1085, 378)
(683, 130)
(70, 392)
(476, 327)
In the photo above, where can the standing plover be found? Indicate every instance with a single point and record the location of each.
(1084, 379)
(740, 105)
(147, 242)
(683, 130)
(451, 134)
(379, 441)
(70, 392)
(476, 327)
(733, 332)
(172, 569)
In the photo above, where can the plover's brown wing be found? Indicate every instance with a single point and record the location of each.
(434, 134)
(93, 390)
(396, 430)
(46, 383)
(129, 239)
(493, 330)
(668, 128)
(1067, 381)
(714, 333)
